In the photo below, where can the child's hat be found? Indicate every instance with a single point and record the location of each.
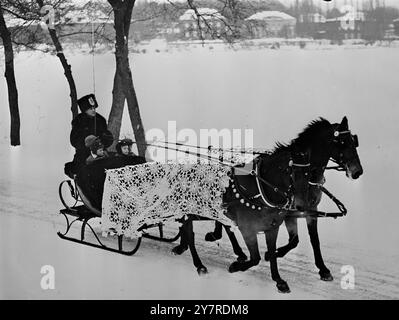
(93, 143)
(89, 140)
(123, 142)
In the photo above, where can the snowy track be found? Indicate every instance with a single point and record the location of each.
(29, 235)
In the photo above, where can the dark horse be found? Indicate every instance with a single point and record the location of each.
(322, 141)
(342, 150)
(283, 174)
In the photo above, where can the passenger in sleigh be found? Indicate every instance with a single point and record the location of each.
(92, 176)
(125, 154)
(97, 150)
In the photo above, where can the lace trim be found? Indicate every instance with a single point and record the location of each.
(156, 192)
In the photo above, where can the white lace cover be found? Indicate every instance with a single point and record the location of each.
(157, 192)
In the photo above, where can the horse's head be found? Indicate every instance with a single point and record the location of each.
(343, 149)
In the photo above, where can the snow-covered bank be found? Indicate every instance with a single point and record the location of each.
(161, 46)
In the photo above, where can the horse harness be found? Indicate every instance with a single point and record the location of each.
(248, 189)
(256, 198)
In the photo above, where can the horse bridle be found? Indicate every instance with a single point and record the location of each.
(341, 166)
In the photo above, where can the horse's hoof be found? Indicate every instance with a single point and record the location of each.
(326, 276)
(202, 271)
(234, 267)
(178, 250)
(211, 237)
(283, 287)
(242, 258)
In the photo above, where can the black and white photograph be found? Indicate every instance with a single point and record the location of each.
(201, 150)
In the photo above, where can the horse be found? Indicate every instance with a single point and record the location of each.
(322, 141)
(342, 149)
(283, 174)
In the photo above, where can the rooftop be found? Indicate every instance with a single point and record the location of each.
(206, 13)
(270, 15)
(354, 15)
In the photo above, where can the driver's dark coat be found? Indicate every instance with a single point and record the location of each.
(83, 126)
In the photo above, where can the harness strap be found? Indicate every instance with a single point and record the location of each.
(338, 167)
(338, 133)
(338, 203)
(241, 196)
(293, 164)
(261, 191)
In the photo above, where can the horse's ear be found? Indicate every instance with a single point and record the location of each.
(344, 123)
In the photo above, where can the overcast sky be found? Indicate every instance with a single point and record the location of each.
(394, 3)
(288, 2)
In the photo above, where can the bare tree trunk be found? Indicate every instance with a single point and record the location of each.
(122, 17)
(115, 116)
(134, 114)
(11, 84)
(66, 66)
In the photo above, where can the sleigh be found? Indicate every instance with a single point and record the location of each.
(124, 195)
(82, 213)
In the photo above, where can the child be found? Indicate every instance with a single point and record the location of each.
(97, 151)
(124, 147)
(124, 150)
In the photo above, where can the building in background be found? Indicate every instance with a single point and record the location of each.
(351, 25)
(208, 24)
(270, 24)
(86, 20)
(310, 25)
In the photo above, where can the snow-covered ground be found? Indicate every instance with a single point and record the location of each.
(276, 93)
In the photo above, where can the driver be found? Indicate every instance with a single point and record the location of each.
(87, 123)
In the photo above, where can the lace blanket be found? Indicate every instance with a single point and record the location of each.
(157, 192)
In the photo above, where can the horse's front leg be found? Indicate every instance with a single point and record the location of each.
(251, 240)
(271, 240)
(241, 256)
(292, 227)
(324, 272)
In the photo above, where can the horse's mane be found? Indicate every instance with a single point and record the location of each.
(305, 138)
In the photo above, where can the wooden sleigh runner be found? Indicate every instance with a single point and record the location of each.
(83, 211)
